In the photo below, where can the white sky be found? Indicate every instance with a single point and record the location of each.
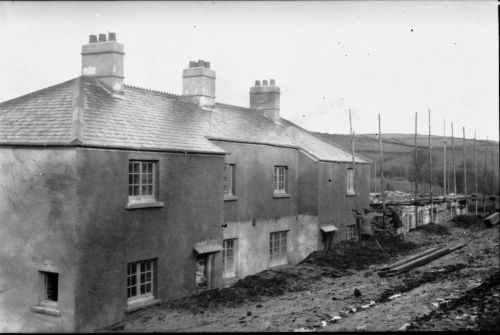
(326, 56)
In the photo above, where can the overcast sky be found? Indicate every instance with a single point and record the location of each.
(394, 58)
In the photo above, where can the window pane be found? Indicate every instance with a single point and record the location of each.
(135, 179)
(135, 190)
(136, 167)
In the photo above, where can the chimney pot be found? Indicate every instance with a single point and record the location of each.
(102, 37)
(264, 82)
(273, 82)
(111, 36)
(207, 65)
(192, 63)
(257, 83)
(92, 39)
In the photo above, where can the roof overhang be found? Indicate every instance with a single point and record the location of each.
(328, 228)
(207, 247)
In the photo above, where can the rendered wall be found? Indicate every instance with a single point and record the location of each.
(256, 213)
(38, 222)
(334, 204)
(112, 236)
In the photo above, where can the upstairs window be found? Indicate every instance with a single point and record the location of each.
(141, 181)
(350, 181)
(229, 185)
(280, 179)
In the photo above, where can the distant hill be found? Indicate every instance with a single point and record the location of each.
(399, 160)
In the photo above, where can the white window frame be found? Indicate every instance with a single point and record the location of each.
(350, 180)
(280, 179)
(139, 182)
(352, 233)
(278, 243)
(140, 281)
(229, 184)
(230, 268)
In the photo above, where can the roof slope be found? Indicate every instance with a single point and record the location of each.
(82, 112)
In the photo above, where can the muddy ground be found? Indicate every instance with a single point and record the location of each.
(459, 291)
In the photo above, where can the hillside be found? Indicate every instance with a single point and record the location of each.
(399, 166)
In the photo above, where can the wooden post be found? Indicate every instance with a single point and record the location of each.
(485, 175)
(465, 166)
(382, 187)
(453, 162)
(430, 169)
(416, 174)
(444, 159)
(358, 232)
(475, 172)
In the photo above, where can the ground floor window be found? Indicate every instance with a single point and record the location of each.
(277, 246)
(352, 233)
(50, 286)
(230, 257)
(204, 271)
(140, 281)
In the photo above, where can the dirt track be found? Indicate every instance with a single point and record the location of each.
(459, 291)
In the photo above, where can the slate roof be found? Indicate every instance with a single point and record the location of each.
(82, 112)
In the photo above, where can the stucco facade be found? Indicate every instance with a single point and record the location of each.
(114, 197)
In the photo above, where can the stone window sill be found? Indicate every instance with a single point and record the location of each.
(281, 195)
(52, 311)
(351, 194)
(136, 205)
(278, 262)
(132, 307)
(230, 197)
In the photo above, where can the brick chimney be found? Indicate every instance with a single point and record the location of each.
(266, 97)
(198, 83)
(103, 59)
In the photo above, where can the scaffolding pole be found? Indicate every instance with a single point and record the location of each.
(485, 175)
(444, 159)
(453, 162)
(416, 172)
(465, 165)
(475, 173)
(430, 170)
(382, 187)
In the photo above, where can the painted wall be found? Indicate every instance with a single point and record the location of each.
(111, 236)
(334, 204)
(38, 231)
(256, 212)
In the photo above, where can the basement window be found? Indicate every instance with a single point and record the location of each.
(280, 180)
(49, 294)
(278, 247)
(140, 283)
(352, 233)
(229, 257)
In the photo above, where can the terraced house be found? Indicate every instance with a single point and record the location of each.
(115, 197)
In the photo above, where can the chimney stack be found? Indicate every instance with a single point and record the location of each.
(266, 98)
(104, 60)
(198, 83)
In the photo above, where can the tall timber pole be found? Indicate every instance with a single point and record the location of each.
(358, 231)
(382, 188)
(465, 165)
(445, 175)
(430, 169)
(475, 172)
(485, 175)
(493, 175)
(453, 161)
(416, 173)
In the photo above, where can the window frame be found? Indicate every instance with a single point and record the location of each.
(230, 272)
(143, 198)
(141, 297)
(229, 190)
(350, 181)
(277, 187)
(278, 245)
(45, 300)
